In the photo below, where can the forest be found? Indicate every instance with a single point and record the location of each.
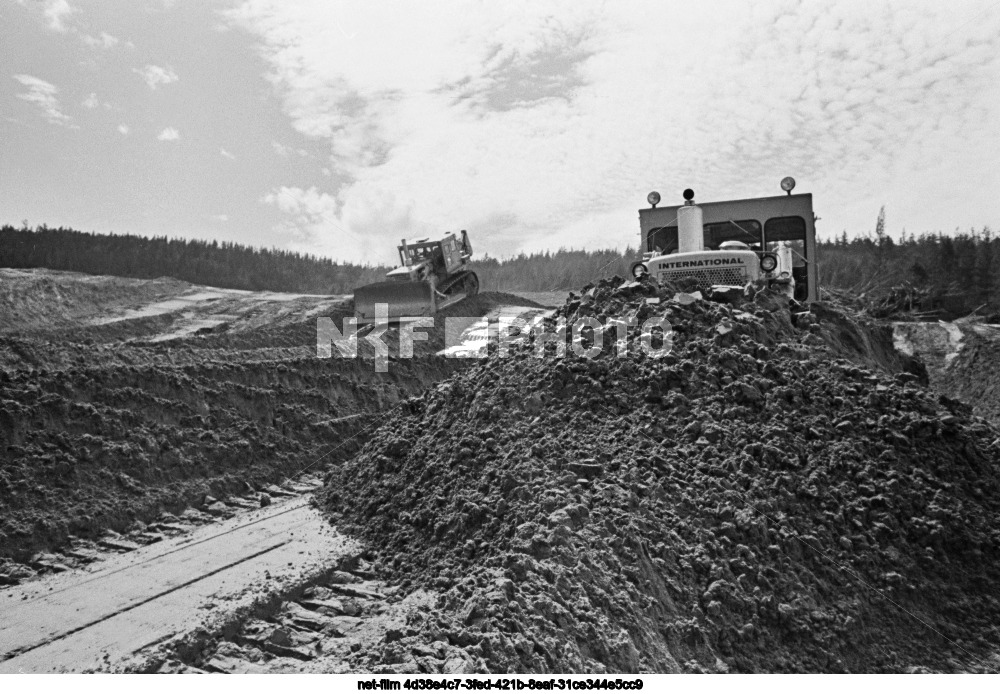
(930, 275)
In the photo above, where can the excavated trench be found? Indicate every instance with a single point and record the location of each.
(106, 428)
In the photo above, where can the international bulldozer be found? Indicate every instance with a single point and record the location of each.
(730, 244)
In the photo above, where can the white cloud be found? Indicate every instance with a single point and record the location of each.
(56, 12)
(91, 102)
(168, 135)
(124, 129)
(226, 154)
(220, 217)
(285, 151)
(105, 41)
(316, 223)
(43, 95)
(545, 124)
(155, 76)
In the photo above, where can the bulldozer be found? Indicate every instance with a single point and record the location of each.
(769, 241)
(432, 276)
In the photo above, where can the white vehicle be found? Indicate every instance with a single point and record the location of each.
(733, 242)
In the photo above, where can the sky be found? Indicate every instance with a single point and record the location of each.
(338, 128)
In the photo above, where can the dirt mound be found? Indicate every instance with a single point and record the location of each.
(750, 502)
(44, 300)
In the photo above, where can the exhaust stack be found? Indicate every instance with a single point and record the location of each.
(690, 226)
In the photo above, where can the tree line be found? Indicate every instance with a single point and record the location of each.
(234, 266)
(229, 265)
(931, 274)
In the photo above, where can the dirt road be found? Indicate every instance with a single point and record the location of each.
(83, 620)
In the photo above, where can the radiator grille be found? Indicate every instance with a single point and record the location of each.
(706, 277)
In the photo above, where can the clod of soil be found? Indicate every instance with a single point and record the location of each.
(751, 502)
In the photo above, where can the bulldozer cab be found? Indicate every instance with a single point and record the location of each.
(452, 254)
(763, 224)
(445, 256)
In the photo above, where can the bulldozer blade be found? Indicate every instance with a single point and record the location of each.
(403, 298)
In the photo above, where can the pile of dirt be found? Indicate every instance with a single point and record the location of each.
(750, 502)
(47, 300)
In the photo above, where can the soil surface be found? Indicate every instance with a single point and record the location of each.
(115, 414)
(754, 501)
(782, 492)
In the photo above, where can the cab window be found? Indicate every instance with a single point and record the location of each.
(662, 240)
(791, 231)
(745, 230)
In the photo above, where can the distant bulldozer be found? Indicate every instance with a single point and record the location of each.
(432, 276)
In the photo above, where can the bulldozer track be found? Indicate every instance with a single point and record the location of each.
(75, 621)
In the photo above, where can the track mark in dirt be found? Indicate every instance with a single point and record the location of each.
(140, 603)
(67, 622)
(348, 621)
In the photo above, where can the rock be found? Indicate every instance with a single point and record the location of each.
(306, 618)
(459, 665)
(330, 607)
(588, 469)
(218, 509)
(233, 666)
(280, 637)
(342, 578)
(748, 393)
(118, 544)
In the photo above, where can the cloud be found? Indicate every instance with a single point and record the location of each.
(220, 217)
(285, 151)
(124, 129)
(105, 41)
(91, 102)
(226, 154)
(543, 124)
(168, 135)
(317, 223)
(43, 95)
(155, 76)
(56, 12)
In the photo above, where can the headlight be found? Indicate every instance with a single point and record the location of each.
(768, 263)
(653, 199)
(787, 184)
(785, 275)
(639, 269)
